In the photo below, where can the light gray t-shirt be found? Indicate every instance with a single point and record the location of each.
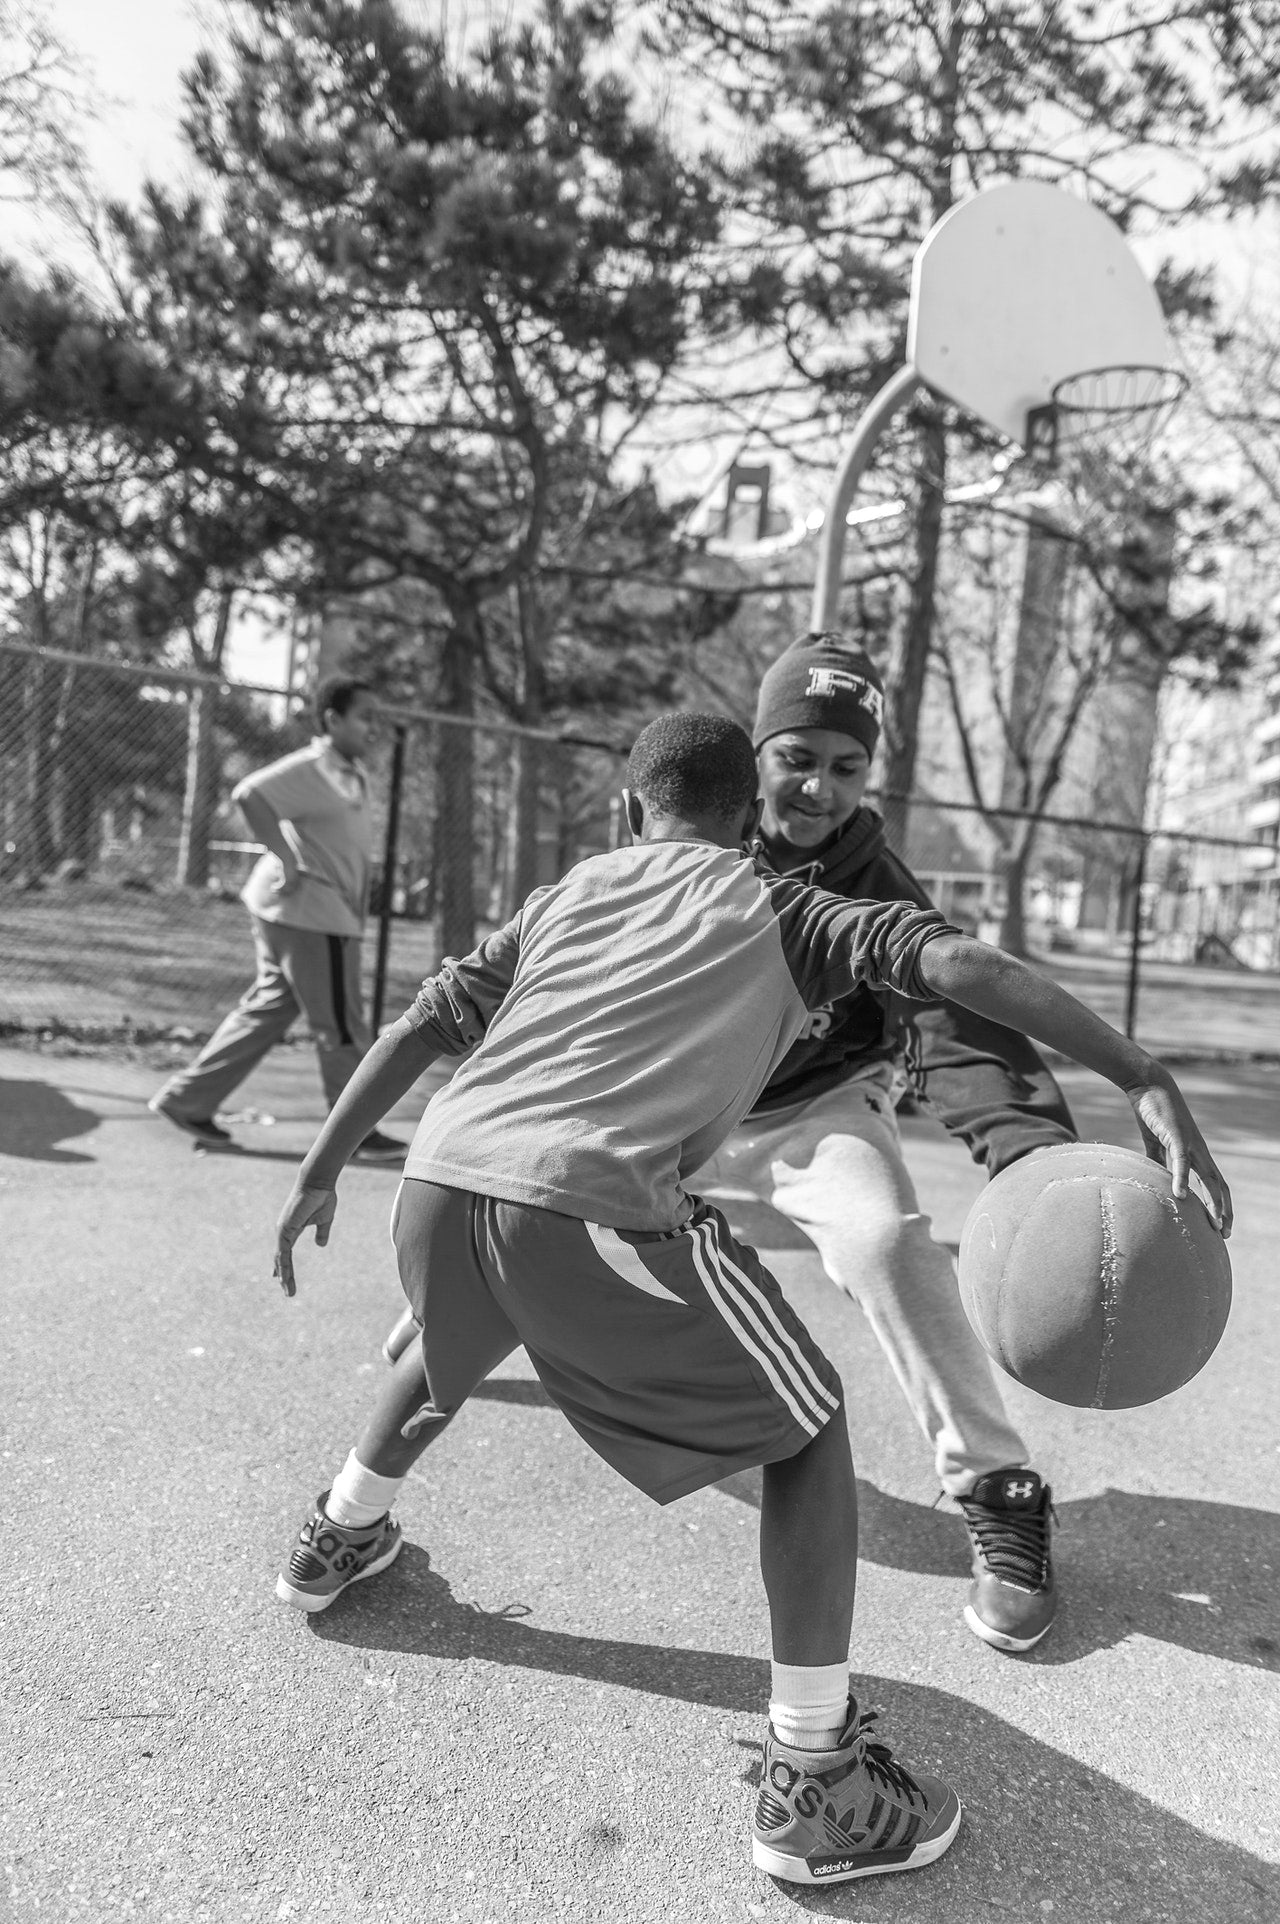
(323, 804)
(627, 1019)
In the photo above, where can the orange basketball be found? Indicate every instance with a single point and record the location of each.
(1087, 1279)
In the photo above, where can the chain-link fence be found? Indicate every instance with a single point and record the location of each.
(1172, 937)
(122, 858)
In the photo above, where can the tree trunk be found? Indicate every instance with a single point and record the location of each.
(200, 795)
(455, 778)
(37, 848)
(905, 693)
(526, 774)
(200, 792)
(1040, 606)
(1013, 872)
(1126, 719)
(81, 827)
(522, 821)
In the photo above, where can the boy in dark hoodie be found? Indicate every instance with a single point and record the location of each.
(821, 1144)
(615, 1032)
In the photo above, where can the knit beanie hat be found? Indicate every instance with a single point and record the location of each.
(821, 681)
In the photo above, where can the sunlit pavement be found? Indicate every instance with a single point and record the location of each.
(550, 1707)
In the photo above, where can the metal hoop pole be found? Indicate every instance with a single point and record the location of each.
(874, 417)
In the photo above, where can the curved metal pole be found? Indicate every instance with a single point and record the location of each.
(878, 413)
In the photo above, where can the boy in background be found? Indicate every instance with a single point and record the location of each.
(307, 899)
(617, 1030)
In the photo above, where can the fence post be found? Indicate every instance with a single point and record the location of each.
(389, 845)
(1135, 940)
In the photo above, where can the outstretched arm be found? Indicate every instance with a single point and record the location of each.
(994, 984)
(447, 1017)
(386, 1073)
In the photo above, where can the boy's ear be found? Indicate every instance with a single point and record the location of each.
(633, 810)
(751, 821)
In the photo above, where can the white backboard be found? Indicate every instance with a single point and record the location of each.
(1016, 289)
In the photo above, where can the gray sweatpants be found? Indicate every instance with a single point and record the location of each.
(300, 972)
(834, 1167)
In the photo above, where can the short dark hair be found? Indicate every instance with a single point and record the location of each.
(336, 693)
(692, 765)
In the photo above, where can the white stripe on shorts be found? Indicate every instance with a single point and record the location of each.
(624, 1260)
(767, 1310)
(723, 1294)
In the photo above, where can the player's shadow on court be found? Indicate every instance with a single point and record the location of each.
(1201, 1575)
(1039, 1825)
(35, 1118)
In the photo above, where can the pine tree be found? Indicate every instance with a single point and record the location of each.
(460, 278)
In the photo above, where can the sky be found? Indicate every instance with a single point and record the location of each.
(134, 52)
(129, 56)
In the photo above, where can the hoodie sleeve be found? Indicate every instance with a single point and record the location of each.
(833, 946)
(986, 1084)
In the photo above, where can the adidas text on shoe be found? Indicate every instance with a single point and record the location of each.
(204, 1129)
(329, 1556)
(826, 1816)
(1013, 1596)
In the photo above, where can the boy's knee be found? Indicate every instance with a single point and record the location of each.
(888, 1254)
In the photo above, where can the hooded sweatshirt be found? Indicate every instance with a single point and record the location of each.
(985, 1083)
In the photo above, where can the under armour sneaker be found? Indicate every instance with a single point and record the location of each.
(1013, 1596)
(399, 1337)
(328, 1556)
(825, 1816)
(203, 1128)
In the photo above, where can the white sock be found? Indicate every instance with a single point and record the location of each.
(360, 1496)
(809, 1704)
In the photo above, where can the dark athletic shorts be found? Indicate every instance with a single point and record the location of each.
(674, 1354)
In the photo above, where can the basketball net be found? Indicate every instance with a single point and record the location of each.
(1098, 437)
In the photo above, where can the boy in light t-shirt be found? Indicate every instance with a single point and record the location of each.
(616, 1032)
(307, 897)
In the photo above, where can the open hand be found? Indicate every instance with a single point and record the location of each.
(1170, 1136)
(304, 1208)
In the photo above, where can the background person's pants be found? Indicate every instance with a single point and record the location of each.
(299, 972)
(834, 1167)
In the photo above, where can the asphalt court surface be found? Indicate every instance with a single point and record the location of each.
(551, 1707)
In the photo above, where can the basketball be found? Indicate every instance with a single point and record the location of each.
(1086, 1279)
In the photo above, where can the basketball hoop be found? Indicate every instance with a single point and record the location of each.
(1012, 291)
(1099, 430)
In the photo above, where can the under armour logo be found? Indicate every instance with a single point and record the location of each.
(1019, 1490)
(840, 681)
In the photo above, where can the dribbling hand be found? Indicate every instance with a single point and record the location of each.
(305, 1207)
(1170, 1136)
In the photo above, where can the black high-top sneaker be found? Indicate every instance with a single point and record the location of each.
(825, 1816)
(1013, 1596)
